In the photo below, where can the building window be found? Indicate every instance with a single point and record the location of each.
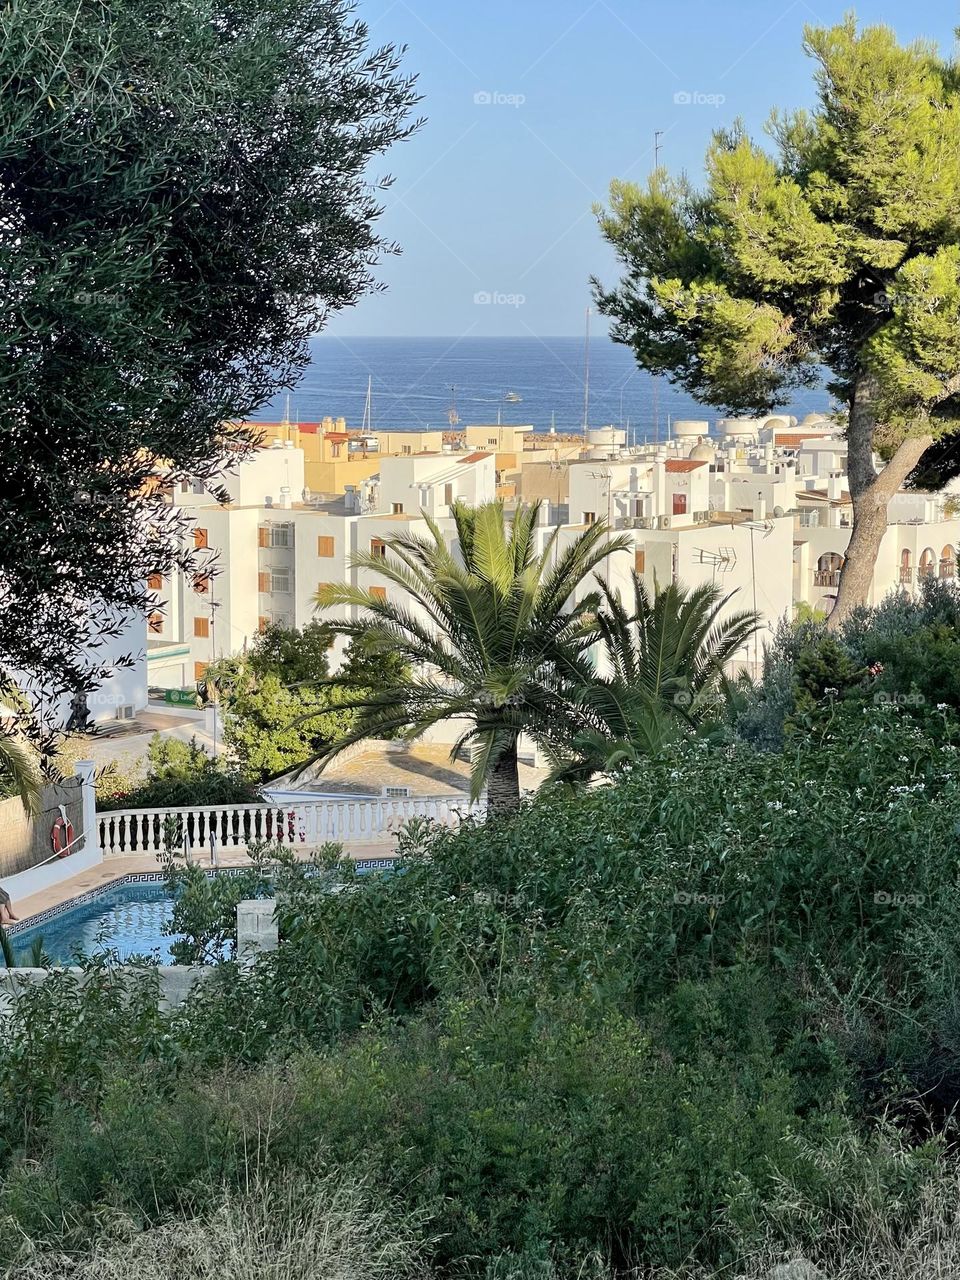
(407, 449)
(155, 582)
(263, 583)
(378, 593)
(448, 494)
(197, 487)
(184, 486)
(398, 508)
(640, 560)
(280, 581)
(201, 584)
(589, 517)
(200, 670)
(325, 547)
(155, 623)
(491, 439)
(279, 535)
(378, 548)
(200, 540)
(201, 627)
(679, 504)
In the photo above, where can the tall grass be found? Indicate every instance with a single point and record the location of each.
(298, 1231)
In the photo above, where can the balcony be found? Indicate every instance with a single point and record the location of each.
(948, 568)
(826, 578)
(906, 575)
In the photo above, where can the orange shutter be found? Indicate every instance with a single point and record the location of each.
(378, 548)
(156, 623)
(263, 536)
(263, 583)
(639, 559)
(200, 670)
(325, 547)
(155, 582)
(200, 539)
(262, 623)
(379, 593)
(201, 584)
(201, 627)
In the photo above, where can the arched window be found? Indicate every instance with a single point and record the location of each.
(827, 572)
(928, 563)
(948, 562)
(906, 568)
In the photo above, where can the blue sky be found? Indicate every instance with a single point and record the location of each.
(533, 106)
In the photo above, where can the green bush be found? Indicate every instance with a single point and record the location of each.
(181, 774)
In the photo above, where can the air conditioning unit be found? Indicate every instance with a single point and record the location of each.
(127, 712)
(664, 522)
(701, 517)
(643, 522)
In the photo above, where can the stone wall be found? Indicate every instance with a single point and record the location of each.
(25, 842)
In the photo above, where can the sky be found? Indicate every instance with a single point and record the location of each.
(533, 106)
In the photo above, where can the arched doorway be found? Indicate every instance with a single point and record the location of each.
(948, 562)
(827, 572)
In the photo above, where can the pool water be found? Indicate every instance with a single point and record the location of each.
(127, 918)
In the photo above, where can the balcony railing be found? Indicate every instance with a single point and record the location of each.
(948, 568)
(826, 578)
(906, 575)
(305, 825)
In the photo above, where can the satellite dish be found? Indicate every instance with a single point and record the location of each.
(778, 512)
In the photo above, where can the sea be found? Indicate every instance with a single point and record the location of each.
(538, 382)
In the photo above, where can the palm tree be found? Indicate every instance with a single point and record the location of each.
(18, 760)
(492, 636)
(663, 670)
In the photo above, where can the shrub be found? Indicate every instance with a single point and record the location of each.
(181, 774)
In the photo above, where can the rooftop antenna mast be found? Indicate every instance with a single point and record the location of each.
(657, 135)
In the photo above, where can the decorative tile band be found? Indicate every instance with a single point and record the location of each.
(148, 877)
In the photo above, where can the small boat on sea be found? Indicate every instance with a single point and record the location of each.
(511, 397)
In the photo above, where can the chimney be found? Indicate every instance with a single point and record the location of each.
(760, 508)
(835, 485)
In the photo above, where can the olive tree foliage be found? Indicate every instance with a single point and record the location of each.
(183, 202)
(840, 249)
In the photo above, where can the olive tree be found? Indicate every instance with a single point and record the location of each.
(183, 202)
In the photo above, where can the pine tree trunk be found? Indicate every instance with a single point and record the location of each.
(871, 493)
(503, 786)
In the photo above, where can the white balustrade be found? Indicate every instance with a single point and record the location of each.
(211, 829)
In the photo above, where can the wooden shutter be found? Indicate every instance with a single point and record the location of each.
(201, 584)
(325, 547)
(263, 536)
(200, 540)
(156, 623)
(200, 670)
(378, 593)
(155, 582)
(639, 559)
(263, 583)
(201, 627)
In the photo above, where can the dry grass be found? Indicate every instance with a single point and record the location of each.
(295, 1232)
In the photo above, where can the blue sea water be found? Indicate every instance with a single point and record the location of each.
(413, 381)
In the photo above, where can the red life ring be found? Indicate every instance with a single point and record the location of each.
(61, 836)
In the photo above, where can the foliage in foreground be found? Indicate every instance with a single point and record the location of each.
(330, 1228)
(177, 774)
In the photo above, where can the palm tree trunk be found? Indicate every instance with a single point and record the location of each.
(503, 786)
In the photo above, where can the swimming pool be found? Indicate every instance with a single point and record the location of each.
(127, 917)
